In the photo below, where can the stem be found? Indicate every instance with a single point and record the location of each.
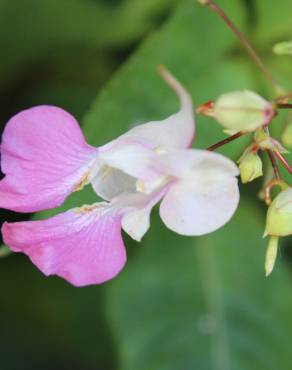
(284, 106)
(284, 161)
(268, 188)
(272, 158)
(244, 42)
(274, 164)
(226, 141)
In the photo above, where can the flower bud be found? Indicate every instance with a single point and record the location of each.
(250, 166)
(283, 48)
(242, 111)
(287, 136)
(279, 216)
(271, 254)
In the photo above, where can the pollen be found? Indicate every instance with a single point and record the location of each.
(84, 181)
(105, 171)
(140, 186)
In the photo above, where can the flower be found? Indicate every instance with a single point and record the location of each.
(45, 158)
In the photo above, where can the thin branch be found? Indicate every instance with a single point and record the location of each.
(274, 164)
(284, 161)
(284, 106)
(225, 141)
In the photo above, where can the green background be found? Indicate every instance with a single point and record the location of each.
(180, 303)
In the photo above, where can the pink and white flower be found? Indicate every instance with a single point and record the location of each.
(45, 158)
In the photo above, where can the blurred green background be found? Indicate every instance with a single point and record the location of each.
(180, 303)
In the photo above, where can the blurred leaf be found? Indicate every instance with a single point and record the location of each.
(48, 324)
(192, 46)
(48, 30)
(163, 318)
(203, 303)
(183, 303)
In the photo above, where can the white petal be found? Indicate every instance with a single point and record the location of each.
(205, 195)
(136, 212)
(110, 182)
(182, 163)
(176, 131)
(130, 157)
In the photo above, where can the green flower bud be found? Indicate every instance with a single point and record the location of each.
(250, 166)
(242, 111)
(287, 136)
(271, 255)
(279, 216)
(283, 48)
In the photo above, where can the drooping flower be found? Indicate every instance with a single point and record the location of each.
(45, 157)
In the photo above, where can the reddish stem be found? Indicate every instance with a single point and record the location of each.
(284, 161)
(225, 141)
(274, 164)
(284, 106)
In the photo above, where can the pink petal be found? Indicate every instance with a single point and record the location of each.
(176, 131)
(44, 156)
(205, 194)
(83, 245)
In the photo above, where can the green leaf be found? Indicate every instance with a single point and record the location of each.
(57, 30)
(183, 303)
(203, 303)
(192, 45)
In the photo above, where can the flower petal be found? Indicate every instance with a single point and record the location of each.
(136, 211)
(110, 182)
(45, 157)
(131, 157)
(176, 131)
(83, 245)
(122, 163)
(204, 198)
(183, 163)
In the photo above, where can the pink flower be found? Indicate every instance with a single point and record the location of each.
(45, 158)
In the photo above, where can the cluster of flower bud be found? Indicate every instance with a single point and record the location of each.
(250, 164)
(245, 112)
